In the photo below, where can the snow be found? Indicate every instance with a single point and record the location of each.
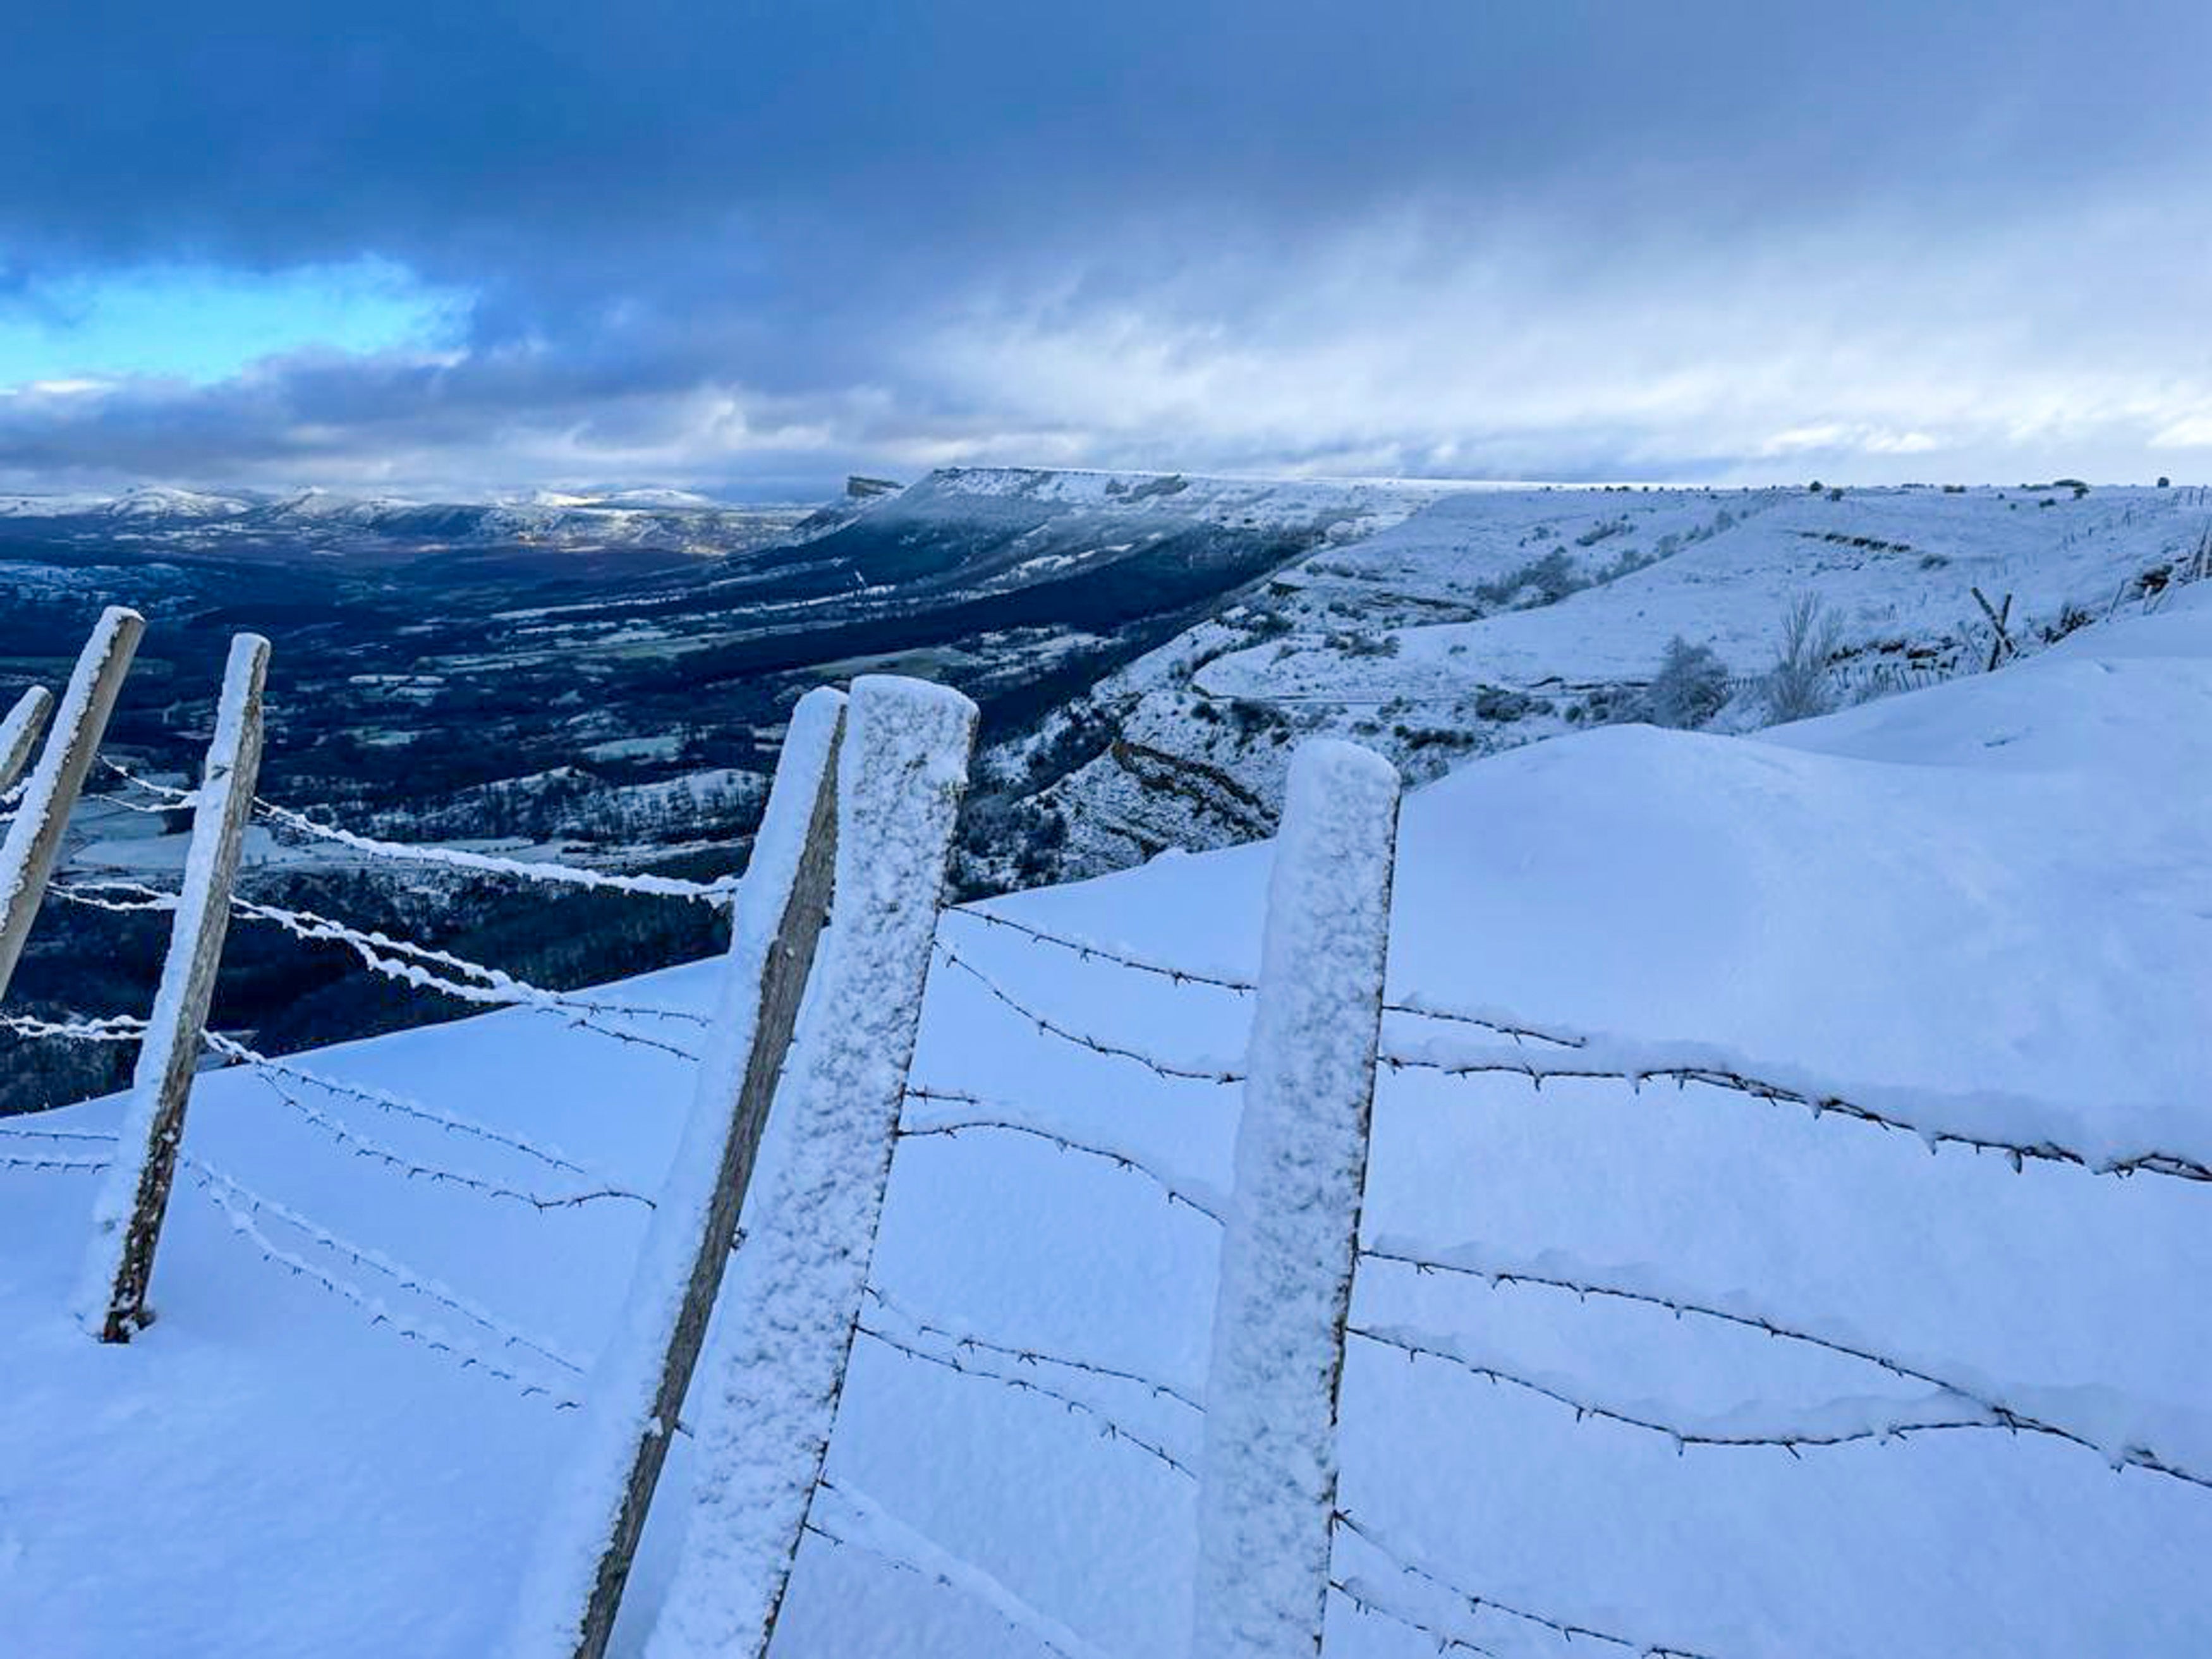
(772, 1386)
(1267, 1486)
(1998, 886)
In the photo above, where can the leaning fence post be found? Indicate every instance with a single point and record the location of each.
(1268, 1476)
(19, 733)
(135, 1198)
(573, 1586)
(780, 1370)
(35, 838)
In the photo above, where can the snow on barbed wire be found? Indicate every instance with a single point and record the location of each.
(2099, 1419)
(1477, 1602)
(412, 1167)
(2125, 1139)
(986, 1115)
(232, 1203)
(1197, 1071)
(376, 1262)
(106, 1028)
(468, 981)
(717, 892)
(1412, 1004)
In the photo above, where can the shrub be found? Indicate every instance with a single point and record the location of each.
(1689, 689)
(1797, 685)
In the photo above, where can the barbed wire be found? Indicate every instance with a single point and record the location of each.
(103, 1028)
(400, 1106)
(1660, 1068)
(92, 895)
(376, 1262)
(1109, 1427)
(435, 1174)
(1414, 1005)
(1003, 1117)
(12, 1130)
(493, 986)
(716, 893)
(1365, 1598)
(1477, 1602)
(1908, 1419)
(50, 1161)
(1045, 1024)
(2001, 1413)
(241, 1221)
(1027, 1355)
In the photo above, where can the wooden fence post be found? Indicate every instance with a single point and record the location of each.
(1268, 1476)
(573, 1586)
(780, 1370)
(134, 1197)
(19, 733)
(35, 838)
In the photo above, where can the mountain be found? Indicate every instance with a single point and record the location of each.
(1991, 892)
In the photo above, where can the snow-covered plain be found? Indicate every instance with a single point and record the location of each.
(2000, 883)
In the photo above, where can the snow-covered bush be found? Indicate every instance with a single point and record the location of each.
(1689, 689)
(1797, 686)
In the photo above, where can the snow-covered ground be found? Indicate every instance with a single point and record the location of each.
(2000, 883)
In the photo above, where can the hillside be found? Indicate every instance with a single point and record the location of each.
(1495, 618)
(1997, 882)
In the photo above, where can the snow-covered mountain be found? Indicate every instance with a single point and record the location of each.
(1995, 884)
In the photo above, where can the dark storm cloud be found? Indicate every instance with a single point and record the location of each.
(706, 240)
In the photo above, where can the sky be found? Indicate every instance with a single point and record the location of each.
(420, 248)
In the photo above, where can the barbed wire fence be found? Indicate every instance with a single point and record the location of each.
(1357, 1565)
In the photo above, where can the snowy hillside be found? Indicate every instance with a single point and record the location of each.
(2002, 883)
(1493, 618)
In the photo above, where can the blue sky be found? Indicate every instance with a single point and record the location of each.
(203, 324)
(747, 247)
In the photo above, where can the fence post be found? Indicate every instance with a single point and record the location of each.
(35, 838)
(779, 1369)
(134, 1197)
(19, 733)
(573, 1587)
(1268, 1476)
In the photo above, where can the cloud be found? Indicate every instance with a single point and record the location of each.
(747, 247)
